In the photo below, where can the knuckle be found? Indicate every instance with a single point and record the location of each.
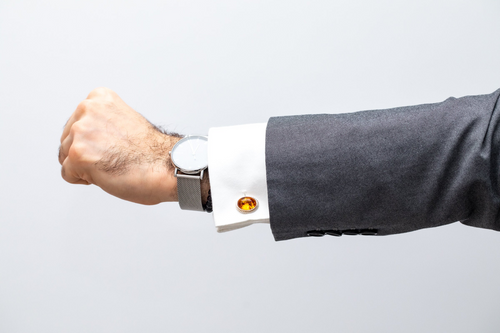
(76, 152)
(84, 105)
(65, 175)
(100, 92)
(76, 128)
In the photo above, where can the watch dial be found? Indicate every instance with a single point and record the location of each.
(190, 153)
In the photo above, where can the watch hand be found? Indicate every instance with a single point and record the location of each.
(197, 146)
(190, 145)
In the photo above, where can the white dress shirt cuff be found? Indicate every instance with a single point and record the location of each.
(237, 167)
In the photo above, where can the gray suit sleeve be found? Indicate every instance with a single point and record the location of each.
(385, 171)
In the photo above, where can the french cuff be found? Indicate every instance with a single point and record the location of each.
(237, 164)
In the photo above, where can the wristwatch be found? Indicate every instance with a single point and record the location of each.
(190, 159)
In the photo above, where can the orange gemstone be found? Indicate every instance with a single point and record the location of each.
(247, 204)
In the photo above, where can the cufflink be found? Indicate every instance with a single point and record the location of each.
(247, 205)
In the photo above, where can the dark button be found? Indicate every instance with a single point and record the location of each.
(315, 233)
(351, 232)
(333, 233)
(369, 232)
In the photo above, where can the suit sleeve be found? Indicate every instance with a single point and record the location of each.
(385, 171)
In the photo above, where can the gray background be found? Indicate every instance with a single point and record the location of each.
(74, 259)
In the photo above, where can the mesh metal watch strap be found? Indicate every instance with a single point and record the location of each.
(189, 192)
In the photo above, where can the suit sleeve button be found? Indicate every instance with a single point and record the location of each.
(315, 233)
(351, 232)
(336, 233)
(369, 232)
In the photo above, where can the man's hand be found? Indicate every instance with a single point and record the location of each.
(107, 143)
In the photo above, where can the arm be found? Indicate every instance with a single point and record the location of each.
(383, 172)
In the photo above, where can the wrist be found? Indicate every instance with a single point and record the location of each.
(205, 187)
(168, 182)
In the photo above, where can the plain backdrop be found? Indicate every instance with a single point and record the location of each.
(75, 259)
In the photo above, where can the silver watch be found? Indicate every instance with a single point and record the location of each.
(190, 159)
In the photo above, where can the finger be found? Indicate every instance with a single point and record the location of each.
(67, 127)
(64, 148)
(80, 110)
(68, 174)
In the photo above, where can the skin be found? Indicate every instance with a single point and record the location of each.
(108, 144)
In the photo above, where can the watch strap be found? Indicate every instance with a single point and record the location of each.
(208, 207)
(189, 192)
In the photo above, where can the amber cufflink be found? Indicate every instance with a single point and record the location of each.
(247, 205)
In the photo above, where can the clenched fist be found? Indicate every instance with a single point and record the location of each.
(107, 143)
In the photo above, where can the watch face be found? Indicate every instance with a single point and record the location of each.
(190, 154)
